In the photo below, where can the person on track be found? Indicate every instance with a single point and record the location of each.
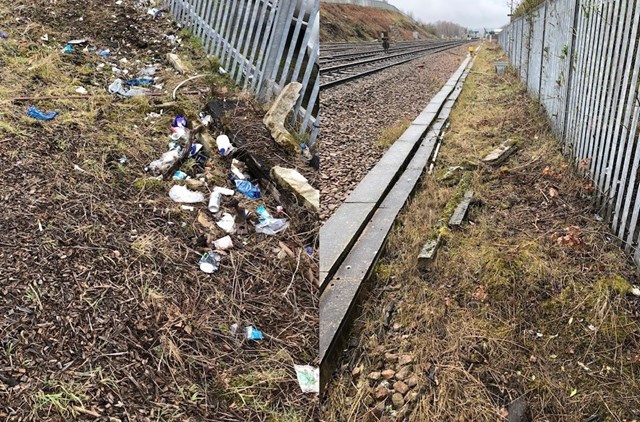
(385, 42)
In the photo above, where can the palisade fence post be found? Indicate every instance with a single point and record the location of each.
(544, 34)
(572, 52)
(276, 48)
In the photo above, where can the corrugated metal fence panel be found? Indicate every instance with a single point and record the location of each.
(583, 60)
(262, 44)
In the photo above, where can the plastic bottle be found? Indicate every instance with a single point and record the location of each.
(224, 145)
(248, 189)
(214, 201)
(164, 162)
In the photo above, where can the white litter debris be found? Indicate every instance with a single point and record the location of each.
(182, 194)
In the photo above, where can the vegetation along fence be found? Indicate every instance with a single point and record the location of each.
(581, 58)
(263, 45)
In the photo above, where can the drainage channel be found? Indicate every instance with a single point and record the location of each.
(353, 238)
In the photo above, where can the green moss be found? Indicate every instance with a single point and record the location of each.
(614, 284)
(148, 184)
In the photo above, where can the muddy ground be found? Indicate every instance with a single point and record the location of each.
(527, 312)
(105, 313)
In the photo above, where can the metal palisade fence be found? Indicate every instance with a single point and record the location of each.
(263, 45)
(581, 58)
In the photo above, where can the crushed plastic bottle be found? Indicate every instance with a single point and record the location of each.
(210, 262)
(117, 87)
(272, 226)
(248, 189)
(140, 82)
(148, 71)
(40, 115)
(164, 162)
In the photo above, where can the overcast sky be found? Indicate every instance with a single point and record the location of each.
(475, 14)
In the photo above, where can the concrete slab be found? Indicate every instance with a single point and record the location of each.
(339, 233)
(500, 154)
(428, 252)
(425, 118)
(461, 210)
(403, 189)
(341, 292)
(413, 133)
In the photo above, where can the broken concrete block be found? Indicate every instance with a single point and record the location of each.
(461, 210)
(293, 181)
(177, 64)
(276, 116)
(428, 252)
(500, 154)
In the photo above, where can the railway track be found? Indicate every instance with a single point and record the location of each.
(363, 50)
(334, 75)
(353, 238)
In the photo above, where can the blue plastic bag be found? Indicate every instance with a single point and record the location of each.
(248, 189)
(39, 115)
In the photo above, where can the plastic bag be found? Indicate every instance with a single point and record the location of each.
(182, 194)
(39, 115)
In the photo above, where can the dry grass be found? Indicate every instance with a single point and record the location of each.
(390, 134)
(505, 311)
(346, 22)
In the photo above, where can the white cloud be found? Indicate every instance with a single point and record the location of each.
(476, 14)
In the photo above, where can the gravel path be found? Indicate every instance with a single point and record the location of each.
(355, 114)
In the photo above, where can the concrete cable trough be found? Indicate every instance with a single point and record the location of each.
(353, 238)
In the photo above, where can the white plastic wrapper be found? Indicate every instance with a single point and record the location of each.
(308, 378)
(182, 194)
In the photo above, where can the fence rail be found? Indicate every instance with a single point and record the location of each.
(581, 57)
(263, 45)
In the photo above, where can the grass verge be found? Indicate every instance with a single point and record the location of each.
(527, 305)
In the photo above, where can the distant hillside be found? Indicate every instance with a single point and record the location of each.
(345, 22)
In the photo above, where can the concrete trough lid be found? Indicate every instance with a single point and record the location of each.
(428, 252)
(461, 210)
(500, 154)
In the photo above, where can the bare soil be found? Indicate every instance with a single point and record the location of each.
(526, 312)
(347, 22)
(105, 313)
